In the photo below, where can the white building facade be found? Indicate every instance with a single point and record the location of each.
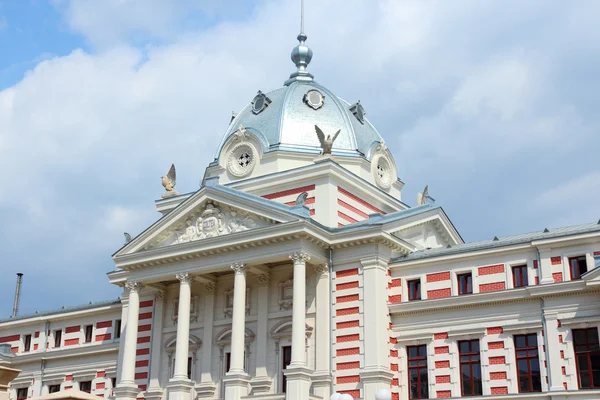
(293, 274)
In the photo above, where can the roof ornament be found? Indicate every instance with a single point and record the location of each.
(127, 237)
(241, 134)
(422, 198)
(301, 199)
(169, 182)
(326, 143)
(359, 111)
(301, 54)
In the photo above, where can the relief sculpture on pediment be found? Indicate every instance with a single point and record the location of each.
(215, 221)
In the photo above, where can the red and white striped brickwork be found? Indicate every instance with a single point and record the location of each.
(101, 385)
(438, 285)
(348, 331)
(495, 360)
(394, 296)
(289, 196)
(567, 364)
(491, 278)
(103, 331)
(72, 335)
(351, 208)
(144, 342)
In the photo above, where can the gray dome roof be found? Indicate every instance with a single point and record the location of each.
(288, 122)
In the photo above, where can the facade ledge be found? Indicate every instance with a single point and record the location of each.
(75, 351)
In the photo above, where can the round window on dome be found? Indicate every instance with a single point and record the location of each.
(260, 102)
(383, 172)
(241, 160)
(314, 99)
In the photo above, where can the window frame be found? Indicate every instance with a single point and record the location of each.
(117, 332)
(20, 390)
(26, 343)
(579, 258)
(85, 333)
(471, 363)
(528, 358)
(524, 275)
(588, 353)
(458, 278)
(284, 366)
(51, 387)
(410, 291)
(58, 338)
(88, 383)
(422, 388)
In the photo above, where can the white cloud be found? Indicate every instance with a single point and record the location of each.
(470, 98)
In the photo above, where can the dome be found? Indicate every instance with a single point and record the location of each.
(285, 119)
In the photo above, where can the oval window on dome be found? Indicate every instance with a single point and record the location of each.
(314, 99)
(241, 160)
(260, 102)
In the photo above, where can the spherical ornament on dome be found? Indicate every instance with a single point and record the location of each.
(335, 396)
(383, 394)
(346, 397)
(301, 54)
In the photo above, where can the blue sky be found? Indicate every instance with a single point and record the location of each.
(493, 104)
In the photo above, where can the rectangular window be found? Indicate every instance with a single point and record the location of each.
(189, 368)
(21, 394)
(470, 367)
(414, 290)
(465, 283)
(57, 338)
(578, 266)
(117, 329)
(53, 388)
(417, 372)
(85, 386)
(528, 363)
(227, 362)
(286, 359)
(520, 276)
(27, 342)
(587, 357)
(113, 381)
(89, 330)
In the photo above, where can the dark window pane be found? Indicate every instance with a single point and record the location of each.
(595, 359)
(463, 347)
(584, 379)
(520, 341)
(475, 345)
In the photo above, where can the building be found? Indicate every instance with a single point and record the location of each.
(292, 273)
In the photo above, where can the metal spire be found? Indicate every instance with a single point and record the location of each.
(301, 54)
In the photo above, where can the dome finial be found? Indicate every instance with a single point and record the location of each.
(301, 54)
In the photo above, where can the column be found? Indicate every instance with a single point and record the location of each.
(126, 388)
(554, 371)
(236, 381)
(375, 374)
(154, 391)
(321, 379)
(297, 374)
(206, 388)
(180, 385)
(262, 383)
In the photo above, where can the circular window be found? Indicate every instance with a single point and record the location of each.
(241, 160)
(314, 99)
(383, 172)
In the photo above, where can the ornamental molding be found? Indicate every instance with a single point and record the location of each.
(210, 287)
(133, 286)
(193, 309)
(228, 309)
(299, 258)
(184, 278)
(322, 270)
(239, 268)
(263, 279)
(286, 294)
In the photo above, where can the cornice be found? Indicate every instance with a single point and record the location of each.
(75, 351)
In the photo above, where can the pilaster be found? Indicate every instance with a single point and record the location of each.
(553, 357)
(321, 379)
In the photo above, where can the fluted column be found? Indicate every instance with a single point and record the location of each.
(183, 327)
(297, 374)
(207, 387)
(236, 380)
(180, 386)
(261, 383)
(126, 388)
(133, 311)
(299, 310)
(154, 391)
(238, 323)
(322, 378)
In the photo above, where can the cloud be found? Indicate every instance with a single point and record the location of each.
(488, 103)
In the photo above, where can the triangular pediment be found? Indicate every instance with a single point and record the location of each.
(210, 213)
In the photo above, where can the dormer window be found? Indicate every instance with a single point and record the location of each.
(359, 112)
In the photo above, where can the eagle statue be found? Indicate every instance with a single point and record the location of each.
(169, 182)
(326, 143)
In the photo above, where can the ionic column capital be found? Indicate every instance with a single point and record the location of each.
(239, 268)
(134, 286)
(299, 257)
(184, 278)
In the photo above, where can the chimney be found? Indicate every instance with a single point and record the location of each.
(17, 295)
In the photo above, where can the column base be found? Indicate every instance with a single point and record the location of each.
(180, 389)
(236, 386)
(374, 379)
(205, 390)
(126, 392)
(260, 384)
(154, 393)
(321, 384)
(298, 382)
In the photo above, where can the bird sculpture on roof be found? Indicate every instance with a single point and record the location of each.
(326, 143)
(301, 199)
(127, 237)
(169, 182)
(422, 197)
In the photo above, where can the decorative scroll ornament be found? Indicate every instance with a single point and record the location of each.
(160, 296)
(133, 286)
(299, 258)
(216, 222)
(169, 182)
(381, 147)
(184, 278)
(241, 134)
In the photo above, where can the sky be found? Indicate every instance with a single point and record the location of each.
(492, 104)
